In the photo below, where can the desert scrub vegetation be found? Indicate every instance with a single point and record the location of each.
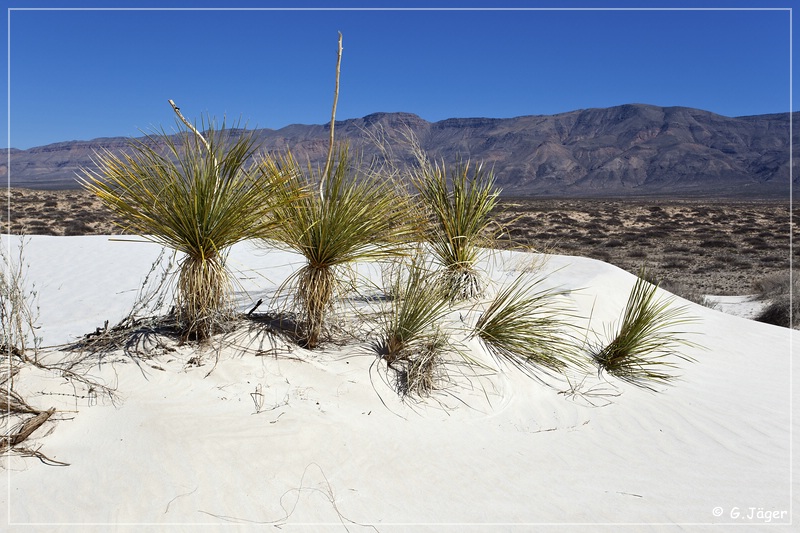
(198, 196)
(459, 204)
(780, 291)
(647, 335)
(358, 215)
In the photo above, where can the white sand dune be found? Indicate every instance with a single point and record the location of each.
(332, 447)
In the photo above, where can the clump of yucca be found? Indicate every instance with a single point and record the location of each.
(459, 204)
(358, 215)
(526, 326)
(646, 337)
(411, 341)
(195, 194)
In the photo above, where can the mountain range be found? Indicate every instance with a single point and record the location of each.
(627, 150)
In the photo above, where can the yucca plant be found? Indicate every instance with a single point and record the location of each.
(459, 204)
(410, 340)
(527, 326)
(198, 195)
(647, 336)
(359, 216)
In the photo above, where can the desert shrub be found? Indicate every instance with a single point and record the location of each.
(38, 227)
(676, 249)
(361, 216)
(614, 243)
(653, 233)
(637, 253)
(674, 261)
(645, 338)
(773, 260)
(717, 243)
(781, 311)
(198, 196)
(600, 255)
(459, 215)
(777, 284)
(693, 294)
(77, 227)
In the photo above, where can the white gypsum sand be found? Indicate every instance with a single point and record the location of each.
(319, 440)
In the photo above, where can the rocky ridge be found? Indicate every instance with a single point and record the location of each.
(628, 150)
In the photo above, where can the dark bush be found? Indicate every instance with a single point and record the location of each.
(781, 312)
(77, 227)
(717, 243)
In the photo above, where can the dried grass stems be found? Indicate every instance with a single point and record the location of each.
(362, 216)
(21, 348)
(18, 309)
(649, 335)
(196, 195)
(410, 339)
(527, 325)
(459, 204)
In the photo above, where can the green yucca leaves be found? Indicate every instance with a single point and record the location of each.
(460, 213)
(410, 340)
(646, 337)
(527, 326)
(359, 217)
(195, 198)
(417, 304)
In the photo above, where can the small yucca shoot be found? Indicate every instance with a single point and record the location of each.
(459, 205)
(647, 336)
(528, 326)
(411, 341)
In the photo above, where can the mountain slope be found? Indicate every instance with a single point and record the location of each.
(633, 149)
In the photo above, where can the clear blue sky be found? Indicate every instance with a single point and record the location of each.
(82, 74)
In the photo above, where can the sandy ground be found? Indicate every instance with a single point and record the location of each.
(253, 433)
